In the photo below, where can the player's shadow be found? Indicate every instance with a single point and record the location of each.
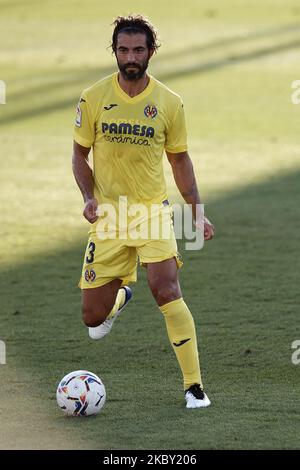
(69, 83)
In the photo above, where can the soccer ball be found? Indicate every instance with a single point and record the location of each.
(81, 393)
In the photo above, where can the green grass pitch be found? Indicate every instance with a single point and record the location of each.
(233, 63)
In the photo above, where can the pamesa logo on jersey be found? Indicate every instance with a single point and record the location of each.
(126, 133)
(128, 129)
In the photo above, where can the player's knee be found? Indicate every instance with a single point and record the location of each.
(92, 318)
(165, 293)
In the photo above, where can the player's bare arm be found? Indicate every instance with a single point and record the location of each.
(185, 180)
(84, 178)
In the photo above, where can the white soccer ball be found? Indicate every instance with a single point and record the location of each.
(81, 393)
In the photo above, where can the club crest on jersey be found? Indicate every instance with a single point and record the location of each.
(89, 275)
(78, 118)
(150, 111)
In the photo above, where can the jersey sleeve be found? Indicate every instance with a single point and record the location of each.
(84, 129)
(176, 137)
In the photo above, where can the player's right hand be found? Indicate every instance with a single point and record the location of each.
(90, 210)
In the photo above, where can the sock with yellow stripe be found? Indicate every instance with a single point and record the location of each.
(182, 335)
(96, 332)
(120, 300)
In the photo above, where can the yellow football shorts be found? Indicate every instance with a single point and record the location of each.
(107, 259)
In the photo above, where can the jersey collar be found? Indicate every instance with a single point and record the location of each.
(136, 98)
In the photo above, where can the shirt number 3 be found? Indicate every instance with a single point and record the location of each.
(91, 248)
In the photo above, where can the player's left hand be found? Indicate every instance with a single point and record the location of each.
(209, 229)
(206, 227)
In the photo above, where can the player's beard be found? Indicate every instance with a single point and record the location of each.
(133, 75)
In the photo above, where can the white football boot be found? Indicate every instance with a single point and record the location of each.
(98, 332)
(195, 397)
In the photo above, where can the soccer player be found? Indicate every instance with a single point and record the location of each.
(129, 118)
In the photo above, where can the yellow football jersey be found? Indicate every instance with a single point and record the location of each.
(128, 136)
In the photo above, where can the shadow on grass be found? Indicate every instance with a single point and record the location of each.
(77, 76)
(81, 77)
(242, 288)
(245, 301)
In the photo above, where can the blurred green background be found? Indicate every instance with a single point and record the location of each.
(233, 62)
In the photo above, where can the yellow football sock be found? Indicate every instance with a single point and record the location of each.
(182, 335)
(120, 300)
